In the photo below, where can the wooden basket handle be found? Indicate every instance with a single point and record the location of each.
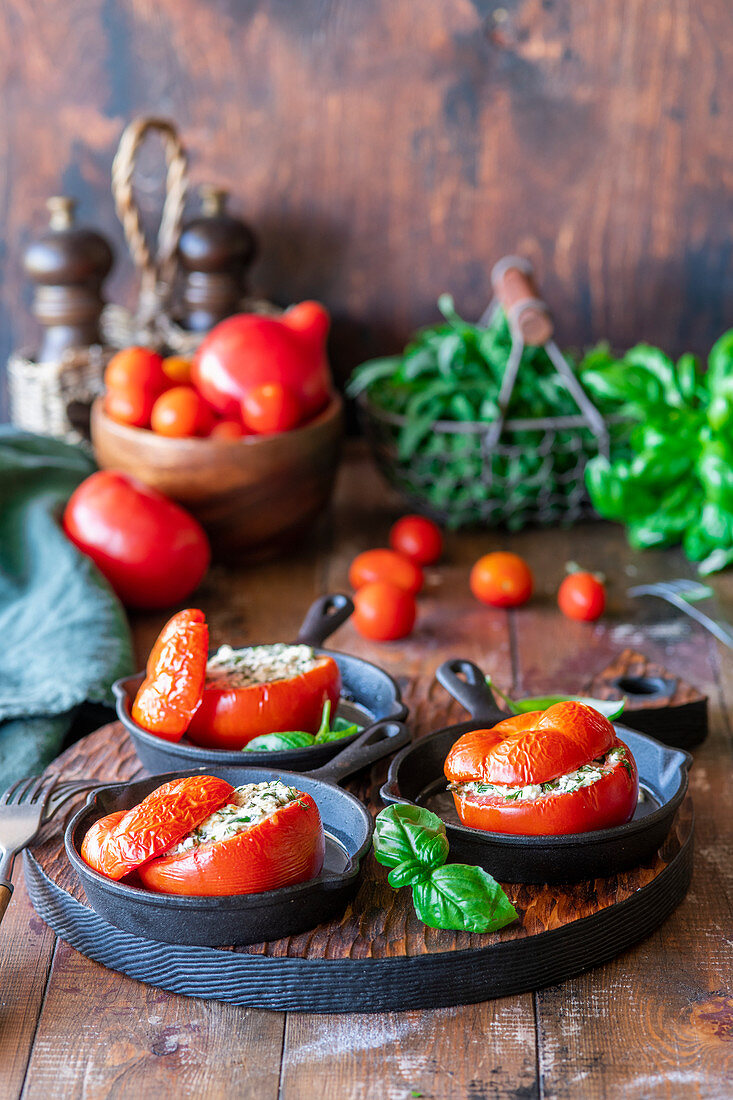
(513, 281)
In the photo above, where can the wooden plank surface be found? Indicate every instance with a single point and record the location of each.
(657, 1022)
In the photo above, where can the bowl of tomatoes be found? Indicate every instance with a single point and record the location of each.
(246, 436)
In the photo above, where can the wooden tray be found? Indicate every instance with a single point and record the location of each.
(378, 956)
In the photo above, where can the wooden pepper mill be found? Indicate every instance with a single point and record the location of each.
(68, 264)
(215, 251)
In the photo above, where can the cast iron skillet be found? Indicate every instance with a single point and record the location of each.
(368, 695)
(244, 918)
(416, 776)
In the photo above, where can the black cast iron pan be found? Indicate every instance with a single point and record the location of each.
(368, 695)
(416, 776)
(244, 918)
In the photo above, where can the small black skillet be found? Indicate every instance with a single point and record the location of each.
(244, 918)
(369, 695)
(416, 776)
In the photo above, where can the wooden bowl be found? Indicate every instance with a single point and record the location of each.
(254, 496)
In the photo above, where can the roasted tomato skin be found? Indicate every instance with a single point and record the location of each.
(96, 837)
(156, 824)
(284, 848)
(609, 801)
(176, 671)
(229, 717)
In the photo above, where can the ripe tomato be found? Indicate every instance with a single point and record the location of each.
(271, 407)
(130, 406)
(283, 848)
(151, 551)
(501, 579)
(383, 611)
(581, 596)
(251, 350)
(385, 565)
(136, 369)
(227, 429)
(177, 370)
(171, 692)
(181, 412)
(417, 538)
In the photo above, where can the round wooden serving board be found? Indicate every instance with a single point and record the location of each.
(377, 956)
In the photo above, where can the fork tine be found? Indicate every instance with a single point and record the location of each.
(18, 791)
(39, 788)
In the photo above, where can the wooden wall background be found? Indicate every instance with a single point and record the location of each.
(387, 150)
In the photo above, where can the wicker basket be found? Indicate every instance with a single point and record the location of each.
(54, 398)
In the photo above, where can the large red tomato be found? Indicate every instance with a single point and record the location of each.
(250, 350)
(151, 551)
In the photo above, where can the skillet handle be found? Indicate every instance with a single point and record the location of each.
(323, 617)
(376, 741)
(467, 684)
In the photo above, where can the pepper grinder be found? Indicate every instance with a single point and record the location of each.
(68, 264)
(215, 251)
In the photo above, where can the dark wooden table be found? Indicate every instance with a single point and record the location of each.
(655, 1022)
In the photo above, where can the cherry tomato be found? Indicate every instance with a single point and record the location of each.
(384, 612)
(271, 407)
(385, 565)
(230, 716)
(417, 538)
(582, 596)
(171, 691)
(501, 579)
(177, 369)
(283, 848)
(227, 429)
(156, 824)
(181, 412)
(151, 551)
(136, 369)
(130, 406)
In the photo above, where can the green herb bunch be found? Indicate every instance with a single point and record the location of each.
(412, 841)
(673, 480)
(299, 739)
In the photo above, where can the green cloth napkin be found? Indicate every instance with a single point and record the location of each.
(64, 637)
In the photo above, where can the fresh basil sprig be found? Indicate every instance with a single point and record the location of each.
(609, 708)
(412, 841)
(296, 739)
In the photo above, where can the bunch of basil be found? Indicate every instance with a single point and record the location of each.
(672, 481)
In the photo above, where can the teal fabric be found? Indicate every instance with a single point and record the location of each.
(64, 637)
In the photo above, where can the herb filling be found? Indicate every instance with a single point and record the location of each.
(249, 804)
(585, 776)
(259, 664)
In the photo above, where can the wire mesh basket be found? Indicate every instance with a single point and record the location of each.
(504, 472)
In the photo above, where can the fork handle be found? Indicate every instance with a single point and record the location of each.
(6, 893)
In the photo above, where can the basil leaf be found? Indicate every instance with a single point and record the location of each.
(464, 898)
(277, 742)
(609, 708)
(404, 832)
(336, 734)
(408, 873)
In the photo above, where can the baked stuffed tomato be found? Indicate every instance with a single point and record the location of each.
(545, 773)
(263, 689)
(244, 840)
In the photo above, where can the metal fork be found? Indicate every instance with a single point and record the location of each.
(678, 593)
(24, 810)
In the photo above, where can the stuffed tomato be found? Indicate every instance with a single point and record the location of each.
(263, 689)
(544, 773)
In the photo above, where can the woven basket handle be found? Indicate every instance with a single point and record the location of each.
(157, 270)
(513, 281)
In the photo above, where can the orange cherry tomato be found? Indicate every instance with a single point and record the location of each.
(384, 611)
(385, 565)
(227, 429)
(417, 538)
(160, 821)
(136, 369)
(501, 579)
(171, 692)
(581, 596)
(181, 412)
(283, 848)
(270, 408)
(129, 406)
(177, 369)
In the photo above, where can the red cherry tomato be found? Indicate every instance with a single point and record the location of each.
(385, 565)
(501, 579)
(582, 596)
(271, 407)
(251, 350)
(227, 429)
(181, 412)
(151, 551)
(417, 538)
(136, 369)
(130, 406)
(171, 691)
(384, 612)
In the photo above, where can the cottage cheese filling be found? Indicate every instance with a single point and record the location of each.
(584, 776)
(259, 664)
(248, 805)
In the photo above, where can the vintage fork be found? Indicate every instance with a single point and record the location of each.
(679, 593)
(24, 809)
